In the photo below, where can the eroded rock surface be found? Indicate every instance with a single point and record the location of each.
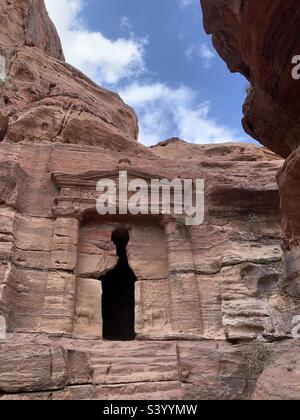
(46, 99)
(259, 39)
(79, 369)
(200, 290)
(280, 381)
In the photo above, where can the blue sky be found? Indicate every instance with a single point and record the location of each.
(156, 55)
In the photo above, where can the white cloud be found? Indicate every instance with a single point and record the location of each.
(202, 51)
(185, 3)
(163, 110)
(126, 24)
(103, 59)
(206, 53)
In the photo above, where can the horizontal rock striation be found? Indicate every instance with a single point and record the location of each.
(201, 291)
(260, 40)
(44, 99)
(141, 370)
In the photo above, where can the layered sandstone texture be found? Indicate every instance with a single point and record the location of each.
(201, 291)
(260, 40)
(46, 99)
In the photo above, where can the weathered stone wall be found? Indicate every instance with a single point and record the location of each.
(217, 281)
(200, 290)
(45, 242)
(85, 369)
(259, 39)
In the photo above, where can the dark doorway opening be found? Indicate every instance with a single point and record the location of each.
(118, 297)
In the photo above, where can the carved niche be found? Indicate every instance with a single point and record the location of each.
(164, 291)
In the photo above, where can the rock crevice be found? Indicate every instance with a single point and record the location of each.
(199, 289)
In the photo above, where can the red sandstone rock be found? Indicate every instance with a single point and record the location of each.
(259, 40)
(215, 282)
(132, 371)
(48, 100)
(31, 368)
(280, 381)
(239, 152)
(26, 23)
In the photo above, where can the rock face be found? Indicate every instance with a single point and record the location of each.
(26, 23)
(280, 381)
(49, 99)
(200, 290)
(260, 40)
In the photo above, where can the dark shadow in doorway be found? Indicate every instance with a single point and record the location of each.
(118, 297)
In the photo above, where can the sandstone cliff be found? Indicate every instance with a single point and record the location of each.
(51, 100)
(202, 292)
(259, 39)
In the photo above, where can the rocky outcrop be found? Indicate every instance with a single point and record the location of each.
(233, 152)
(260, 40)
(26, 23)
(280, 381)
(44, 99)
(78, 369)
(201, 291)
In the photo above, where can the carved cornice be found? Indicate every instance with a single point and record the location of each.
(78, 192)
(89, 180)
